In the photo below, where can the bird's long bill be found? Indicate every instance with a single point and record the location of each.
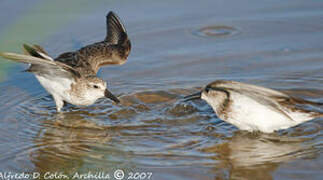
(193, 96)
(109, 95)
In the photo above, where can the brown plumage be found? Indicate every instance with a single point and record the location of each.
(71, 77)
(113, 50)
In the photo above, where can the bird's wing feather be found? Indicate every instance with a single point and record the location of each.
(37, 51)
(114, 50)
(98, 55)
(46, 66)
(249, 88)
(262, 92)
(116, 32)
(262, 95)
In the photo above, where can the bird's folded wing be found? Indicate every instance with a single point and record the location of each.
(250, 88)
(262, 95)
(271, 95)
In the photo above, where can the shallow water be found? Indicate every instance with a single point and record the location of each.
(178, 47)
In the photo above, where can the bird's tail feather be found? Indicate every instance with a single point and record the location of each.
(318, 115)
(299, 101)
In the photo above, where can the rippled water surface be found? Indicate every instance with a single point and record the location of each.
(178, 47)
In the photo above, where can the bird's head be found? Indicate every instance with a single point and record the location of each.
(97, 88)
(212, 94)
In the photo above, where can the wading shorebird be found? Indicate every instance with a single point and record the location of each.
(71, 77)
(254, 108)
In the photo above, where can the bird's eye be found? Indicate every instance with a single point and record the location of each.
(95, 86)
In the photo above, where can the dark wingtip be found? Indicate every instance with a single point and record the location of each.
(31, 51)
(27, 47)
(110, 13)
(116, 32)
(115, 21)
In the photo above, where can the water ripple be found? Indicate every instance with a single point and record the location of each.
(150, 128)
(216, 31)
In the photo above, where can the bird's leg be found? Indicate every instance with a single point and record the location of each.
(59, 103)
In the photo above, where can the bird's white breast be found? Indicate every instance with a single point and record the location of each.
(248, 114)
(56, 86)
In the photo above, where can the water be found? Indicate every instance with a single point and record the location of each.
(178, 47)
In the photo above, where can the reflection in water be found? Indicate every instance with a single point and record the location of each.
(65, 142)
(100, 136)
(257, 156)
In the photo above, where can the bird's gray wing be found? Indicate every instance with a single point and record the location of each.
(268, 101)
(248, 88)
(270, 94)
(43, 66)
(265, 96)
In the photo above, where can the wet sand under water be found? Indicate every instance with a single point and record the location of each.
(178, 47)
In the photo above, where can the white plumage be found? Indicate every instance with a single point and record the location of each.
(255, 108)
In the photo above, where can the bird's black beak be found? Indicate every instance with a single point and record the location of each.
(109, 95)
(193, 96)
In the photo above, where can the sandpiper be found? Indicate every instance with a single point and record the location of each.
(254, 108)
(71, 77)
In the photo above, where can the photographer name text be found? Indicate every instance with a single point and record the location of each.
(117, 175)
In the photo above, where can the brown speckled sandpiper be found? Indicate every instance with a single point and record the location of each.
(71, 77)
